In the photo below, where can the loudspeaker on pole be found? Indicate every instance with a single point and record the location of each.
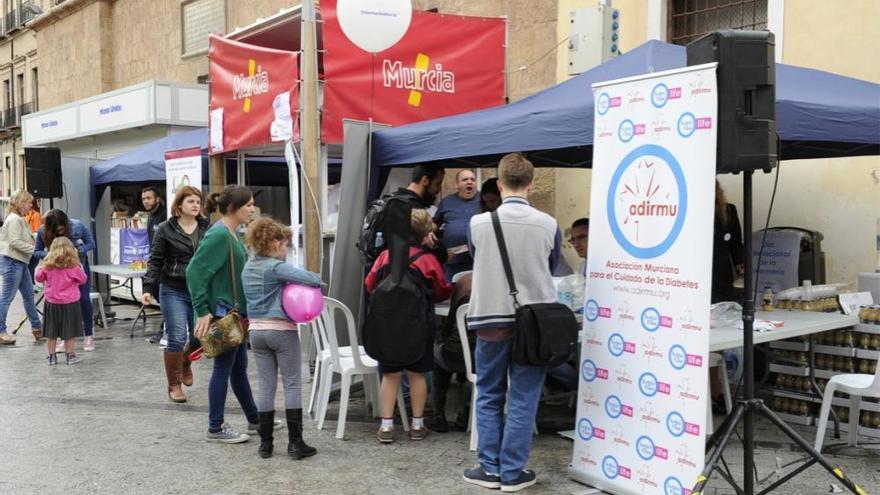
(43, 172)
(746, 97)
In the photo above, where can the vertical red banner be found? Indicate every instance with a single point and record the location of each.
(254, 95)
(443, 65)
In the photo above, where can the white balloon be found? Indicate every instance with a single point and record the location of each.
(374, 25)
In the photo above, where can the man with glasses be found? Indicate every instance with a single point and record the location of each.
(580, 234)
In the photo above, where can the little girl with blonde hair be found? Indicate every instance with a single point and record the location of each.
(62, 274)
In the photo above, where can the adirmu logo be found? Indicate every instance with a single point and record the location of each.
(253, 84)
(417, 79)
(647, 201)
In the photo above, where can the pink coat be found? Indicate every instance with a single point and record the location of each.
(61, 284)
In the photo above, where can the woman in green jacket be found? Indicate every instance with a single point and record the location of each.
(210, 278)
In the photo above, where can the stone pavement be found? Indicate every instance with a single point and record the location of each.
(105, 425)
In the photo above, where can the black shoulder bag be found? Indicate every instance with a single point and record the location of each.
(544, 334)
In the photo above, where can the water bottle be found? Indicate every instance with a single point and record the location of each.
(380, 241)
(564, 292)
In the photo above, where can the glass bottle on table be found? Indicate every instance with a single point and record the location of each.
(803, 408)
(806, 386)
(767, 300)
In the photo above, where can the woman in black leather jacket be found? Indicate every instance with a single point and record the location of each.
(174, 243)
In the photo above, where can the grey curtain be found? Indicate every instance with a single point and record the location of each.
(347, 277)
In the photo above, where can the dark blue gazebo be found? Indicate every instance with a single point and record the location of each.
(818, 114)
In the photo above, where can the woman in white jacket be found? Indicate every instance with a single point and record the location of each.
(16, 248)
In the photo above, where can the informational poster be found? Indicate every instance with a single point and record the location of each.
(134, 246)
(182, 168)
(779, 259)
(644, 368)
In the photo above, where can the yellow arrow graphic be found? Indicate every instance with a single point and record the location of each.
(415, 97)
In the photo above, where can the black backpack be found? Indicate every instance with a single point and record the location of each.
(373, 239)
(399, 320)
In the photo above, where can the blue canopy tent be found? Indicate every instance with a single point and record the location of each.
(143, 164)
(818, 114)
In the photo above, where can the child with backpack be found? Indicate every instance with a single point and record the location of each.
(62, 274)
(433, 287)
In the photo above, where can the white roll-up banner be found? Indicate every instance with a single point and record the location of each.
(641, 414)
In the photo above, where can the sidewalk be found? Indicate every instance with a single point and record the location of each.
(105, 425)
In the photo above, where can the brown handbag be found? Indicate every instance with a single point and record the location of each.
(230, 331)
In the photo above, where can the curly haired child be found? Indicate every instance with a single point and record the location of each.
(274, 338)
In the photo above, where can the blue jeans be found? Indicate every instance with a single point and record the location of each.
(564, 375)
(85, 304)
(504, 445)
(177, 310)
(16, 277)
(230, 368)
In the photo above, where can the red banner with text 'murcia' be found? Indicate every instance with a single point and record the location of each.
(443, 65)
(254, 95)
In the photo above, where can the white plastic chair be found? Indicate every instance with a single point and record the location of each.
(857, 385)
(322, 362)
(716, 359)
(460, 316)
(347, 366)
(458, 276)
(97, 299)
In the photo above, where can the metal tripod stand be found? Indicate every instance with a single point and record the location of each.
(747, 407)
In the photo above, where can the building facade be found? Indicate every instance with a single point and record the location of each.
(96, 46)
(19, 74)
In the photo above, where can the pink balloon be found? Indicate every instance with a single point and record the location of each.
(301, 303)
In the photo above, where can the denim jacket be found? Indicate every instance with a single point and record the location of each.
(264, 278)
(81, 237)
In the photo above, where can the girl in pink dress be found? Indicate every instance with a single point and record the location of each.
(62, 274)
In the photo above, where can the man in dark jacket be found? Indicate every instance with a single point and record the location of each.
(156, 208)
(422, 191)
(154, 205)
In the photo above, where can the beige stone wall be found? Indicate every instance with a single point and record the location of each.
(111, 44)
(157, 54)
(241, 13)
(72, 48)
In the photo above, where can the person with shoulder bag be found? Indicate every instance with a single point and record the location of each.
(174, 244)
(504, 443)
(213, 278)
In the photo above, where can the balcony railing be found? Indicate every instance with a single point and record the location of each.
(25, 109)
(26, 13)
(11, 23)
(10, 117)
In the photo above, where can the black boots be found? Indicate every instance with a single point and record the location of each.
(265, 429)
(296, 447)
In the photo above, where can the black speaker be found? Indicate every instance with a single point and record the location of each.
(746, 97)
(43, 172)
